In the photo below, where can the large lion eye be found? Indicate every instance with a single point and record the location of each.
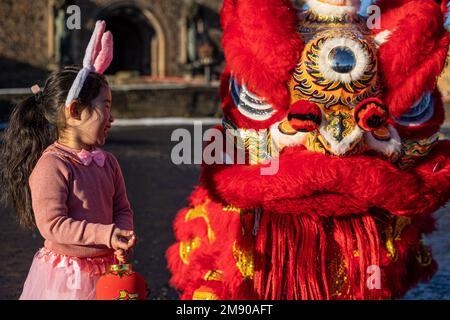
(342, 59)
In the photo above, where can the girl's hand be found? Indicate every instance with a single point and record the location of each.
(122, 239)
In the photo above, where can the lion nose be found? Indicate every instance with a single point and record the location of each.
(304, 116)
(371, 114)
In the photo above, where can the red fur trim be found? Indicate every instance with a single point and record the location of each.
(187, 230)
(175, 265)
(307, 181)
(224, 89)
(444, 9)
(198, 196)
(428, 128)
(262, 45)
(415, 53)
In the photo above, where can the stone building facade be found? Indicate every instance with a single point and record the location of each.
(153, 38)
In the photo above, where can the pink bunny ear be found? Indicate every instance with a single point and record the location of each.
(105, 56)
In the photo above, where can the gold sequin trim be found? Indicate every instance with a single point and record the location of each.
(340, 285)
(204, 295)
(231, 208)
(423, 256)
(244, 261)
(187, 247)
(393, 234)
(213, 275)
(199, 211)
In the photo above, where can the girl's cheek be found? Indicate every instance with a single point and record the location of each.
(106, 116)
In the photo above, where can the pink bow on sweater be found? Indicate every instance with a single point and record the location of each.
(86, 157)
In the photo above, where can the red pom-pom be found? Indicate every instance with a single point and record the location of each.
(371, 114)
(304, 116)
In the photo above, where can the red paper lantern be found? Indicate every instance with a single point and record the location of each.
(121, 283)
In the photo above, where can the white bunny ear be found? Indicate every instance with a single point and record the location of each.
(94, 45)
(105, 55)
(77, 85)
(97, 58)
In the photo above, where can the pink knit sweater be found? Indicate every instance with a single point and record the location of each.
(76, 207)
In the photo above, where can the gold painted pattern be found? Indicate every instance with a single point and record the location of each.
(340, 123)
(309, 83)
(413, 150)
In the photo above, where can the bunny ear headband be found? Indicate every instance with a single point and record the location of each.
(98, 57)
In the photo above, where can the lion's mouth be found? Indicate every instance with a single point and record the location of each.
(325, 143)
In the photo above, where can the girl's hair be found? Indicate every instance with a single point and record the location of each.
(34, 124)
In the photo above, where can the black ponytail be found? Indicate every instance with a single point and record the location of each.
(34, 124)
(28, 135)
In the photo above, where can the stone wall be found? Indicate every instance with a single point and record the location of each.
(23, 32)
(134, 101)
(23, 41)
(27, 34)
(166, 101)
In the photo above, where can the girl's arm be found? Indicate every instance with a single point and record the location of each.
(49, 193)
(122, 212)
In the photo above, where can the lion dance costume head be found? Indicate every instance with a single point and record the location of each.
(351, 112)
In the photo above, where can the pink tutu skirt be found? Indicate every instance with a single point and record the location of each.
(54, 276)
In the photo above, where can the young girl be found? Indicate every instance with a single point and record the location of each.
(59, 180)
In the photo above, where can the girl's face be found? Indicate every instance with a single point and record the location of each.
(94, 124)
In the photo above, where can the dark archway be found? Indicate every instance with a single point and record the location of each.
(133, 36)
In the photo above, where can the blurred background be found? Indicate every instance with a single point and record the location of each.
(166, 68)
